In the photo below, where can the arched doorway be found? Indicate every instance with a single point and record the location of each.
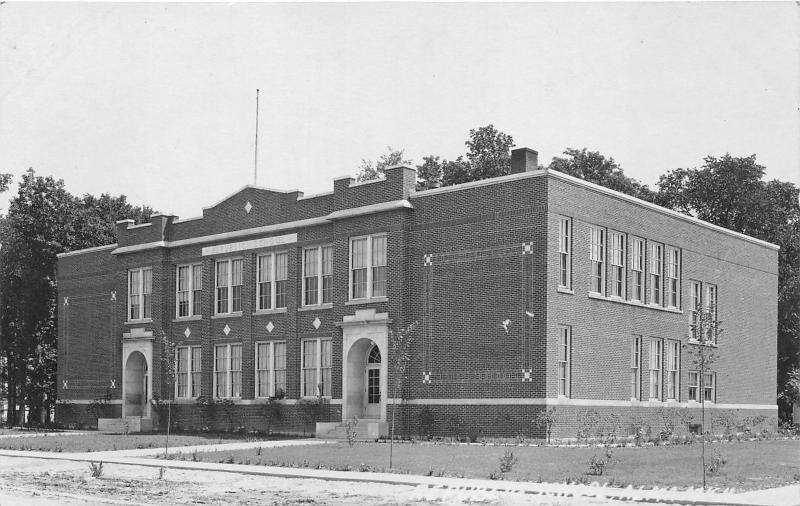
(372, 405)
(136, 385)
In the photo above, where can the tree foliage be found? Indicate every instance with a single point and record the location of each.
(369, 170)
(43, 219)
(595, 168)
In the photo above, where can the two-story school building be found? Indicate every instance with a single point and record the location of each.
(530, 290)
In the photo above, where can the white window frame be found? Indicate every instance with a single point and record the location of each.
(657, 274)
(597, 245)
(673, 281)
(564, 361)
(193, 367)
(638, 250)
(694, 386)
(229, 371)
(369, 267)
(636, 368)
(711, 308)
(272, 272)
(673, 370)
(317, 367)
(229, 285)
(270, 369)
(696, 305)
(617, 256)
(711, 388)
(565, 253)
(194, 293)
(656, 369)
(144, 316)
(320, 275)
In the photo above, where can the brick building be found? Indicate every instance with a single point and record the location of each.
(530, 290)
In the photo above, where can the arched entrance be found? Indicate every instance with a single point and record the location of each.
(372, 406)
(365, 385)
(136, 385)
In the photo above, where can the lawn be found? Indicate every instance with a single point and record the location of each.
(750, 465)
(96, 441)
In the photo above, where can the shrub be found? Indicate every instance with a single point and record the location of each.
(272, 411)
(310, 410)
(452, 424)
(545, 419)
(350, 428)
(599, 465)
(507, 463)
(425, 422)
(716, 464)
(587, 423)
(96, 469)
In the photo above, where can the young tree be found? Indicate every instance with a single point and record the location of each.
(705, 331)
(169, 375)
(369, 170)
(400, 342)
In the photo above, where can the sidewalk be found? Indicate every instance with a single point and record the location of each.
(783, 496)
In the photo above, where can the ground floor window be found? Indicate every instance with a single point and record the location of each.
(228, 371)
(656, 356)
(271, 369)
(564, 352)
(187, 372)
(316, 364)
(709, 386)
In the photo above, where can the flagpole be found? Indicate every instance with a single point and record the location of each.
(255, 161)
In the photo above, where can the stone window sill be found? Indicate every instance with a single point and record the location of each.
(192, 318)
(318, 307)
(139, 322)
(561, 289)
(372, 300)
(617, 300)
(227, 315)
(278, 310)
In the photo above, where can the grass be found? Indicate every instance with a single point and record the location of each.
(97, 442)
(750, 465)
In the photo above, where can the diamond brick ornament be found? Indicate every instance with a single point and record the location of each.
(248, 207)
(316, 323)
(227, 329)
(187, 332)
(270, 327)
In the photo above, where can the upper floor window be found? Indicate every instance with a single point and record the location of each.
(710, 308)
(273, 276)
(228, 371)
(617, 245)
(317, 275)
(229, 286)
(189, 288)
(656, 358)
(637, 268)
(368, 267)
(565, 252)
(673, 277)
(636, 368)
(271, 369)
(564, 355)
(596, 255)
(316, 365)
(140, 288)
(656, 272)
(696, 307)
(187, 371)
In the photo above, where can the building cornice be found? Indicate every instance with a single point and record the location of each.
(86, 250)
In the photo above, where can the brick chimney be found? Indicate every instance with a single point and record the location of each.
(524, 160)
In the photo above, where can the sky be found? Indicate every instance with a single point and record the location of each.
(157, 101)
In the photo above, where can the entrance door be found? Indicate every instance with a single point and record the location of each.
(372, 382)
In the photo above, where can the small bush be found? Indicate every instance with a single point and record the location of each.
(716, 464)
(599, 465)
(507, 463)
(96, 469)
(350, 428)
(161, 471)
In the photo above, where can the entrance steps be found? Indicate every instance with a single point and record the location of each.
(366, 430)
(124, 425)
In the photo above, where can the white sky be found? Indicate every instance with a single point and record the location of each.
(157, 101)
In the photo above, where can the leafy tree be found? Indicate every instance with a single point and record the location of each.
(5, 180)
(43, 219)
(489, 152)
(429, 174)
(400, 342)
(730, 192)
(593, 167)
(369, 170)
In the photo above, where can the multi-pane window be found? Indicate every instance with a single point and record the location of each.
(673, 369)
(697, 301)
(617, 268)
(656, 357)
(637, 268)
(673, 276)
(596, 255)
(189, 288)
(317, 275)
(140, 288)
(229, 286)
(316, 365)
(565, 252)
(656, 273)
(271, 369)
(368, 267)
(710, 308)
(187, 371)
(636, 368)
(564, 352)
(273, 275)
(709, 386)
(228, 371)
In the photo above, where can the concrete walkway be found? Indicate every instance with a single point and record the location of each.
(173, 450)
(42, 434)
(783, 496)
